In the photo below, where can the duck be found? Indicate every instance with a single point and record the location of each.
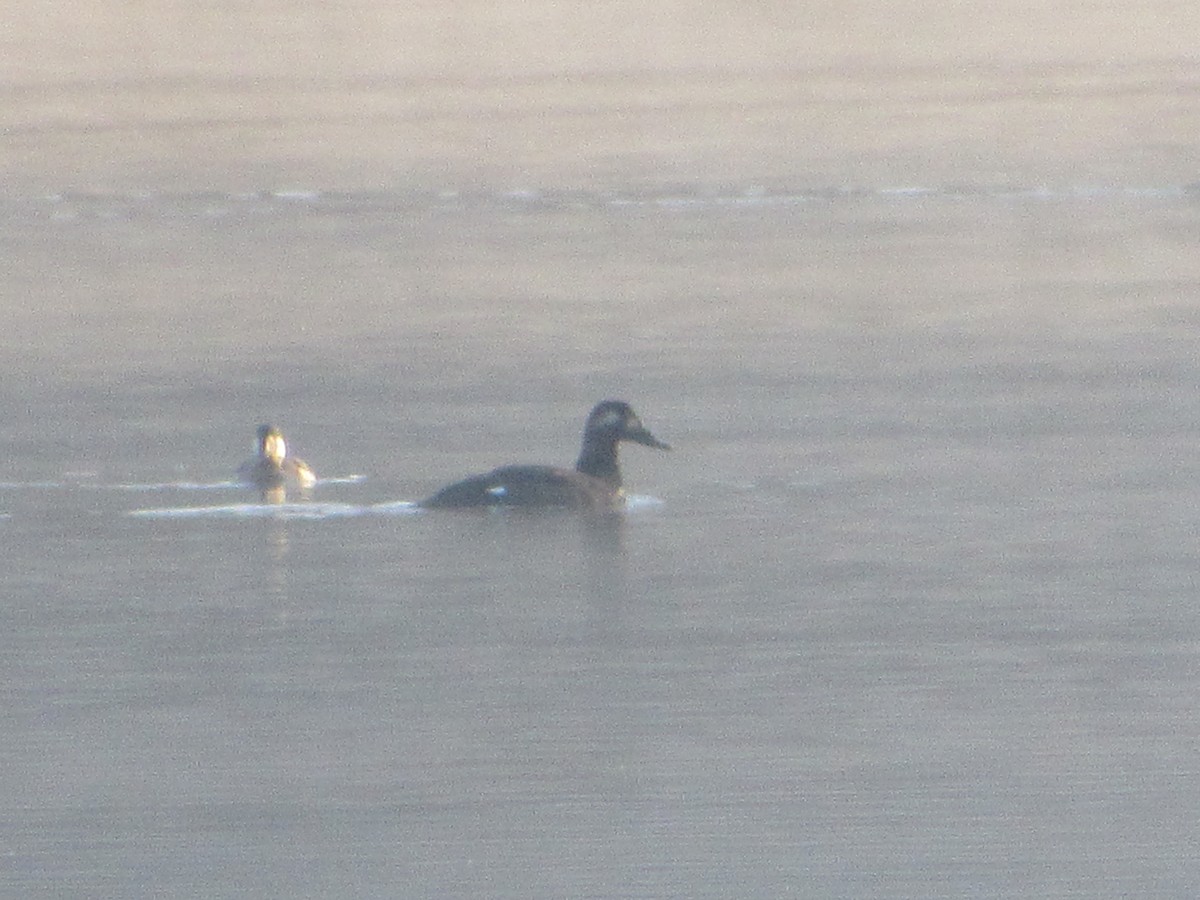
(594, 483)
(271, 469)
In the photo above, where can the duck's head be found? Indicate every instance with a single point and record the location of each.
(615, 420)
(271, 445)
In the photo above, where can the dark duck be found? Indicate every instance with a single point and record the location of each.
(271, 470)
(594, 483)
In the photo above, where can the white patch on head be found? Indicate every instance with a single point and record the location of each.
(498, 491)
(611, 419)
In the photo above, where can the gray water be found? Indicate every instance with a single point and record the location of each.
(908, 611)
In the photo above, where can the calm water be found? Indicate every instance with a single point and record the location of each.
(911, 608)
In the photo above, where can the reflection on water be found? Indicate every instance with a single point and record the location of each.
(275, 539)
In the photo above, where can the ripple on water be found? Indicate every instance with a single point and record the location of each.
(70, 206)
(288, 511)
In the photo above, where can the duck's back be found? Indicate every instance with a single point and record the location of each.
(527, 486)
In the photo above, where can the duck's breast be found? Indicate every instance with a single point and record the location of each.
(261, 473)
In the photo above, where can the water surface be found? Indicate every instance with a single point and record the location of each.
(908, 611)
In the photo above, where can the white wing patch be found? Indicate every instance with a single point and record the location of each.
(498, 491)
(306, 476)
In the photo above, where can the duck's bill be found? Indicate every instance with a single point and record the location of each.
(642, 436)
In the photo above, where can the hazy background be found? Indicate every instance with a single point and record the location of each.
(909, 610)
(365, 95)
